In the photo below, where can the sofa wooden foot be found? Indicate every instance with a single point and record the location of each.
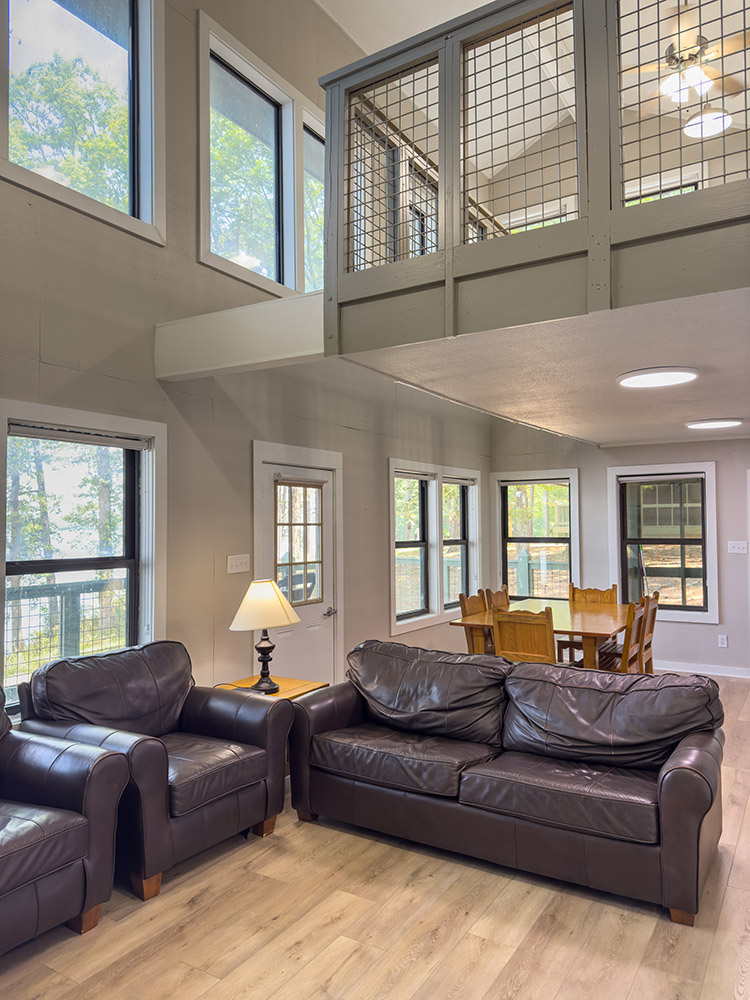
(306, 817)
(146, 888)
(681, 917)
(263, 829)
(86, 921)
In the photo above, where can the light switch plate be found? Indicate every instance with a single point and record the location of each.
(238, 564)
(738, 548)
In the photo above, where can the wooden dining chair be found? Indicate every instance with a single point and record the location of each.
(497, 598)
(647, 638)
(524, 636)
(584, 595)
(474, 605)
(629, 661)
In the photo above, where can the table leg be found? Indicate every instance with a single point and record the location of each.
(591, 652)
(478, 639)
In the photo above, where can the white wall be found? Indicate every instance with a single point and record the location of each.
(516, 448)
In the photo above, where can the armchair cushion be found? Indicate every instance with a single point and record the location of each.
(35, 841)
(431, 692)
(140, 689)
(202, 769)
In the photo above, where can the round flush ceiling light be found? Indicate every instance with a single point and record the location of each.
(707, 122)
(654, 378)
(713, 425)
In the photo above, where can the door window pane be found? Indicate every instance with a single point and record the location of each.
(70, 105)
(314, 191)
(245, 176)
(299, 542)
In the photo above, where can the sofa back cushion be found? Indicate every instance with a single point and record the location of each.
(4, 720)
(429, 691)
(620, 719)
(140, 689)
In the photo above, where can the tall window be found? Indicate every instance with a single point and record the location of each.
(79, 99)
(455, 543)
(314, 154)
(410, 511)
(662, 523)
(71, 551)
(536, 538)
(245, 173)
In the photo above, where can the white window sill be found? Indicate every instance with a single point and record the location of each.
(696, 617)
(81, 203)
(260, 281)
(424, 621)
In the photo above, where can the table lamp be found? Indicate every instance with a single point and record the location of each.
(264, 607)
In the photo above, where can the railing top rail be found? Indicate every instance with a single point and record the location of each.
(33, 591)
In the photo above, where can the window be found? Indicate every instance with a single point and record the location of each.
(84, 533)
(662, 527)
(262, 160)
(314, 192)
(299, 561)
(659, 194)
(81, 103)
(663, 541)
(435, 532)
(536, 538)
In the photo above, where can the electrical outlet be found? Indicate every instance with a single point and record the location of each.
(738, 548)
(238, 564)
(723, 643)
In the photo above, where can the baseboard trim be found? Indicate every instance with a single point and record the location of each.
(712, 669)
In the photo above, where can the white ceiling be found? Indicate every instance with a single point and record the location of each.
(376, 24)
(560, 375)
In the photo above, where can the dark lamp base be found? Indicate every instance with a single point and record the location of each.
(265, 683)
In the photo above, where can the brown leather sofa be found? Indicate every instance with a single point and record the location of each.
(610, 781)
(205, 763)
(58, 808)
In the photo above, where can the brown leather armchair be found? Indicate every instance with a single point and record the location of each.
(58, 809)
(205, 763)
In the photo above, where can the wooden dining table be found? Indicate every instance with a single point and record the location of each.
(595, 623)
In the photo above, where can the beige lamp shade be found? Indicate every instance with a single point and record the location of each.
(263, 606)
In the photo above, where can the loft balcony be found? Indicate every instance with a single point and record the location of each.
(529, 162)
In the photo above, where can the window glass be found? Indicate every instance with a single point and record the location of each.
(455, 543)
(245, 174)
(536, 539)
(299, 559)
(71, 108)
(410, 497)
(314, 193)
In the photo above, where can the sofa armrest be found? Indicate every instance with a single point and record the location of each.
(689, 795)
(59, 774)
(335, 707)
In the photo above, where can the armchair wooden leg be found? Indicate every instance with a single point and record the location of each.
(146, 888)
(263, 829)
(681, 917)
(86, 921)
(306, 817)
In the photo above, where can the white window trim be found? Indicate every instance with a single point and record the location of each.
(152, 225)
(436, 474)
(707, 469)
(296, 112)
(152, 568)
(498, 479)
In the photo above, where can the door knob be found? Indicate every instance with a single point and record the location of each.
(330, 613)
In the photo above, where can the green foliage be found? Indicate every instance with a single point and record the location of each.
(314, 238)
(69, 124)
(538, 510)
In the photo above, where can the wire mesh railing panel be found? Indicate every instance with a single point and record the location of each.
(683, 96)
(519, 141)
(391, 168)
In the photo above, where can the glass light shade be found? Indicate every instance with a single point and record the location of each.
(653, 378)
(263, 606)
(707, 122)
(675, 88)
(695, 77)
(710, 425)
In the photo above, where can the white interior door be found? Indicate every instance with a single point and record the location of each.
(295, 542)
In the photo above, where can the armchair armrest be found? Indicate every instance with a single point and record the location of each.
(689, 795)
(335, 707)
(63, 775)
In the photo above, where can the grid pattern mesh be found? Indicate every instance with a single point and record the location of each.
(677, 63)
(519, 139)
(391, 169)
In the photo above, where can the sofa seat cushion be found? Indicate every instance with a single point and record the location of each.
(35, 841)
(202, 769)
(382, 756)
(617, 802)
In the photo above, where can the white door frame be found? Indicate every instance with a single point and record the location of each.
(270, 453)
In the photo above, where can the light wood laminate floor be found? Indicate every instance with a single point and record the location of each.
(324, 910)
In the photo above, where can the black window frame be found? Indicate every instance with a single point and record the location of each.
(462, 542)
(128, 560)
(683, 540)
(278, 173)
(421, 543)
(506, 538)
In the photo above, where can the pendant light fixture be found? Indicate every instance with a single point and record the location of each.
(707, 122)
